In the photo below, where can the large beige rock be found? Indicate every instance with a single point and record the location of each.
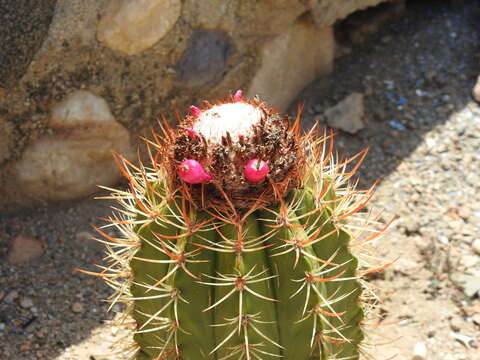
(291, 61)
(133, 26)
(76, 156)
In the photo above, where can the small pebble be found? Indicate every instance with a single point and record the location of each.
(78, 307)
(26, 303)
(456, 323)
(420, 92)
(476, 246)
(411, 225)
(24, 248)
(476, 319)
(464, 213)
(469, 260)
(41, 333)
(11, 296)
(443, 239)
(419, 351)
(26, 346)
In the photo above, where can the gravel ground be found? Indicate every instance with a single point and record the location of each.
(423, 129)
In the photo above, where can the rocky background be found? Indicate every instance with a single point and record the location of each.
(401, 85)
(79, 78)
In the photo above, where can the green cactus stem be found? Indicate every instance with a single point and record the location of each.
(237, 241)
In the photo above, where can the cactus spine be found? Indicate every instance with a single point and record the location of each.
(236, 241)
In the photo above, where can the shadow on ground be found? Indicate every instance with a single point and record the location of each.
(414, 74)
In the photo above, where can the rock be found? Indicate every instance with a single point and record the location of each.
(133, 26)
(469, 283)
(291, 61)
(469, 261)
(42, 333)
(456, 323)
(476, 246)
(24, 26)
(347, 114)
(407, 267)
(78, 307)
(411, 225)
(464, 213)
(476, 90)
(24, 248)
(76, 157)
(11, 297)
(205, 58)
(26, 346)
(465, 340)
(26, 303)
(419, 351)
(476, 319)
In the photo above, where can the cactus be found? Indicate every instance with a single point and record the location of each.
(236, 242)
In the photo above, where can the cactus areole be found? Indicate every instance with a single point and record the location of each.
(236, 241)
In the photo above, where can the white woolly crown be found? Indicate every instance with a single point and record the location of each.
(235, 118)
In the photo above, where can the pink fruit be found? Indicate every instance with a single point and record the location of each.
(195, 111)
(192, 172)
(256, 170)
(238, 96)
(191, 132)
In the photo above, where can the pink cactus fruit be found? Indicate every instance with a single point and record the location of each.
(192, 172)
(238, 96)
(256, 170)
(191, 132)
(195, 111)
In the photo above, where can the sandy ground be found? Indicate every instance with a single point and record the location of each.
(423, 128)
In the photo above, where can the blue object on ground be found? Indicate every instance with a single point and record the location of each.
(397, 126)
